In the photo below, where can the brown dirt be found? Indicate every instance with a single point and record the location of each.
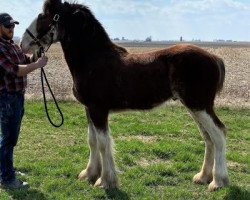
(236, 90)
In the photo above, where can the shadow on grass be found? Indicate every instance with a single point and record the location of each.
(116, 194)
(236, 192)
(25, 194)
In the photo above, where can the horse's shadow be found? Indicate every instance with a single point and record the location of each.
(116, 194)
(28, 193)
(25, 193)
(236, 192)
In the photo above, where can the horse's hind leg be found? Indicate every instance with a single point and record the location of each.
(216, 131)
(206, 174)
(93, 169)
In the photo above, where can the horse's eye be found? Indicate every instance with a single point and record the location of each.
(32, 43)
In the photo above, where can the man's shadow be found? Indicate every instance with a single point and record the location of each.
(116, 194)
(25, 193)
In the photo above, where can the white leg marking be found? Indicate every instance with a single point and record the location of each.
(206, 174)
(220, 174)
(108, 177)
(93, 170)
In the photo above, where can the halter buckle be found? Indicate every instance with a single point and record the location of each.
(56, 18)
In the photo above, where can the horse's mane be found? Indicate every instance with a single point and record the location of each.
(77, 18)
(80, 25)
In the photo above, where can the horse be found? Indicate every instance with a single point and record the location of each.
(107, 78)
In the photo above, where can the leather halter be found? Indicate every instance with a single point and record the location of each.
(52, 27)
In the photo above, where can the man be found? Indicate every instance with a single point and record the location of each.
(14, 67)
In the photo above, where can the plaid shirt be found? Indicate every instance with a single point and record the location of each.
(11, 56)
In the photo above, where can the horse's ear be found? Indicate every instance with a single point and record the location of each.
(52, 6)
(81, 15)
(78, 13)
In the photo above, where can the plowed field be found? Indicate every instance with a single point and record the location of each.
(236, 90)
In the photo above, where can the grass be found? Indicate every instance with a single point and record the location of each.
(157, 154)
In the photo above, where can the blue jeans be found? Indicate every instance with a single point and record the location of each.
(11, 113)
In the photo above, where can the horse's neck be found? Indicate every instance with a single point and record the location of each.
(83, 45)
(83, 48)
(78, 56)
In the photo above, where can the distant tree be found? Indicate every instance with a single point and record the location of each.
(148, 39)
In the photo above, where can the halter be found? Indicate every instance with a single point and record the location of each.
(37, 40)
(43, 75)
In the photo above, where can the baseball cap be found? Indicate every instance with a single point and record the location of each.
(6, 19)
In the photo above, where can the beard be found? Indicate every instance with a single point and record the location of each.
(7, 37)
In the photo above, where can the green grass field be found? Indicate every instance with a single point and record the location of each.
(157, 154)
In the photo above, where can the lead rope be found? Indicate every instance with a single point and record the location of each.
(44, 77)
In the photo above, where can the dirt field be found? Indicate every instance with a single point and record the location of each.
(236, 90)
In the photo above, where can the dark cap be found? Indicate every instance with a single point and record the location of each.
(6, 19)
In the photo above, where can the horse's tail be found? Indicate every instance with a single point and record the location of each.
(221, 67)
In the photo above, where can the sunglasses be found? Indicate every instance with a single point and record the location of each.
(9, 26)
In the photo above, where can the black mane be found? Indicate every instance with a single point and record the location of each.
(81, 28)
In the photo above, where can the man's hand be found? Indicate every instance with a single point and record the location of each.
(42, 61)
(26, 69)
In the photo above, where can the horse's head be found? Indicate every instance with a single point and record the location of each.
(64, 22)
(44, 30)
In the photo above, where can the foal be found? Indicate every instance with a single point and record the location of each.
(108, 78)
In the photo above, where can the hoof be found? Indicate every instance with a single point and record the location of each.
(202, 179)
(215, 185)
(86, 175)
(106, 184)
(83, 175)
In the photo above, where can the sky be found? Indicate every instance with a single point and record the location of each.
(205, 20)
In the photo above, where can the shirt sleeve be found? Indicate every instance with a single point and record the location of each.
(6, 62)
(27, 59)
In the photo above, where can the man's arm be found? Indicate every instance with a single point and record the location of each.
(23, 70)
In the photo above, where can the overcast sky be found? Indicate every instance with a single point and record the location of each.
(161, 19)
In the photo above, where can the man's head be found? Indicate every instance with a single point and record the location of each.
(7, 25)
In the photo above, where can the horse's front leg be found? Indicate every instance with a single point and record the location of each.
(108, 178)
(93, 169)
